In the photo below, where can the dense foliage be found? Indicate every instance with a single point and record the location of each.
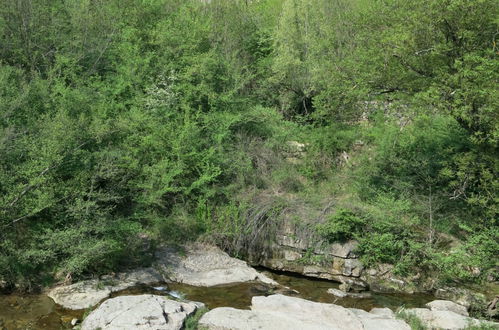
(126, 123)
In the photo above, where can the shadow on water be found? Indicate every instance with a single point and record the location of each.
(40, 312)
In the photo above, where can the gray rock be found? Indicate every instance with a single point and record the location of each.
(315, 271)
(140, 312)
(291, 255)
(345, 287)
(380, 270)
(446, 305)
(278, 312)
(310, 314)
(80, 295)
(206, 266)
(339, 261)
(445, 320)
(359, 295)
(343, 294)
(387, 312)
(372, 321)
(352, 283)
(141, 276)
(326, 273)
(89, 293)
(225, 318)
(286, 290)
(291, 241)
(352, 267)
(390, 284)
(343, 250)
(461, 296)
(337, 293)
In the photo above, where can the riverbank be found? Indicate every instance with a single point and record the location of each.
(193, 269)
(40, 312)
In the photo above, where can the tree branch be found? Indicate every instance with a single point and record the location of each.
(411, 67)
(42, 173)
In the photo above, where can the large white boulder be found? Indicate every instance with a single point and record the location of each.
(89, 293)
(225, 318)
(206, 266)
(387, 312)
(80, 295)
(376, 321)
(446, 305)
(140, 312)
(445, 320)
(281, 312)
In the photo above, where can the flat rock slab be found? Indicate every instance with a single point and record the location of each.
(140, 312)
(461, 296)
(80, 295)
(447, 320)
(205, 266)
(281, 312)
(89, 293)
(376, 321)
(387, 312)
(446, 305)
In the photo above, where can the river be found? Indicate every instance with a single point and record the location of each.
(40, 312)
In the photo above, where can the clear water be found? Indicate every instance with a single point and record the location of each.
(33, 312)
(40, 312)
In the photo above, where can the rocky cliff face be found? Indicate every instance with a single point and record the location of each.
(297, 249)
(336, 262)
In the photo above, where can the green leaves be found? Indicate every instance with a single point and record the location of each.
(343, 225)
(125, 119)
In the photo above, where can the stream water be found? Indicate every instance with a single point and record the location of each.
(40, 312)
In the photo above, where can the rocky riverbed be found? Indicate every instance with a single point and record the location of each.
(238, 296)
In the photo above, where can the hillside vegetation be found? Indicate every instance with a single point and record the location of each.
(125, 124)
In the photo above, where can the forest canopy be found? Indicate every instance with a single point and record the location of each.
(125, 124)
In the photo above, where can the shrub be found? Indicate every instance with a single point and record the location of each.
(343, 225)
(380, 248)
